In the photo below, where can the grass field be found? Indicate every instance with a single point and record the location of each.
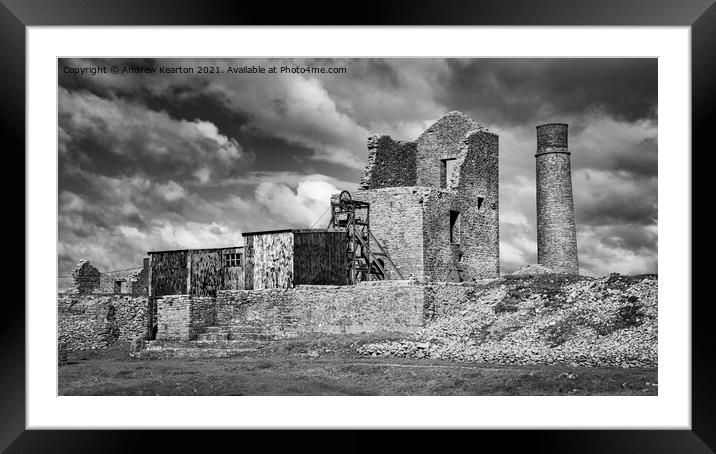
(329, 366)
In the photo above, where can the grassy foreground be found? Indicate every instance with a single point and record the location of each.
(329, 366)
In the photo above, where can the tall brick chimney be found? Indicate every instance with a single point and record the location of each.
(556, 229)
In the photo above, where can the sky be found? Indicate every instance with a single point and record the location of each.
(151, 161)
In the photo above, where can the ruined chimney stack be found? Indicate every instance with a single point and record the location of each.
(556, 229)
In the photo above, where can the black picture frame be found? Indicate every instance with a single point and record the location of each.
(16, 15)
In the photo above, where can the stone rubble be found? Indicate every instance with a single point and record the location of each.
(532, 269)
(583, 322)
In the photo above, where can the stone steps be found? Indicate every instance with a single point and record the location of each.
(235, 332)
(245, 328)
(212, 336)
(224, 343)
(215, 342)
(193, 352)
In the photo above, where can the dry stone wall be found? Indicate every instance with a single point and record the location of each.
(91, 321)
(182, 317)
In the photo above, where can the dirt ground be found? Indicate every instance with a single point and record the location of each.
(330, 366)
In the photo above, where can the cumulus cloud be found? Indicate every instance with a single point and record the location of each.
(191, 161)
(118, 135)
(300, 208)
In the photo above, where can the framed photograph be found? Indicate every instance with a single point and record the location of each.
(435, 217)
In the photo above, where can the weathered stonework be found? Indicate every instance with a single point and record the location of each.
(397, 222)
(124, 281)
(91, 321)
(443, 140)
(390, 164)
(393, 306)
(556, 228)
(182, 317)
(85, 278)
(438, 216)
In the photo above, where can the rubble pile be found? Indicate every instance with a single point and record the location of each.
(532, 269)
(542, 319)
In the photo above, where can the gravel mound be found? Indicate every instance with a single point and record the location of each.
(542, 319)
(532, 269)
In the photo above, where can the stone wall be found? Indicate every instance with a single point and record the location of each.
(85, 278)
(396, 220)
(472, 196)
(477, 198)
(182, 317)
(440, 218)
(439, 142)
(132, 281)
(391, 163)
(91, 321)
(395, 306)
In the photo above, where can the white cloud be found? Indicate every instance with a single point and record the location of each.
(300, 208)
(138, 135)
(171, 191)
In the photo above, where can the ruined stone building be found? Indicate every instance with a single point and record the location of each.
(89, 280)
(556, 229)
(426, 215)
(434, 201)
(433, 210)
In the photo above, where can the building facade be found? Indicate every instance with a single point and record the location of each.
(435, 201)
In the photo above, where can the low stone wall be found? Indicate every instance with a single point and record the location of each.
(395, 306)
(91, 321)
(363, 308)
(182, 317)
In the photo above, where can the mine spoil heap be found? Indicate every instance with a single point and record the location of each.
(545, 319)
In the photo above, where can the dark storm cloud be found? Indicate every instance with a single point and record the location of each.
(615, 208)
(174, 161)
(640, 160)
(519, 91)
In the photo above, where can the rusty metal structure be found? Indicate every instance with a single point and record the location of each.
(366, 258)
